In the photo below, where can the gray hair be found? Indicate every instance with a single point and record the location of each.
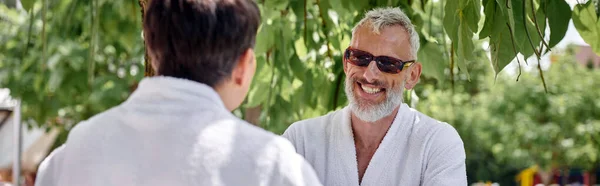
(380, 18)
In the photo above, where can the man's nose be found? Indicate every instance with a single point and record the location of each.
(372, 73)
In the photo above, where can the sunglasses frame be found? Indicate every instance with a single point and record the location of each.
(381, 65)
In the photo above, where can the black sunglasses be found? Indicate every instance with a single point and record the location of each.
(384, 63)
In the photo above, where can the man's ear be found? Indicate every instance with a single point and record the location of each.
(244, 70)
(345, 66)
(413, 76)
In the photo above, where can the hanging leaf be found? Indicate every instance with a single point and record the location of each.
(261, 84)
(502, 51)
(472, 14)
(433, 61)
(451, 20)
(56, 78)
(524, 38)
(492, 13)
(464, 51)
(265, 39)
(559, 14)
(358, 5)
(540, 16)
(458, 23)
(298, 68)
(276, 4)
(27, 4)
(586, 23)
(507, 12)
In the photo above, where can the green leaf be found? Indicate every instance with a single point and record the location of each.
(298, 8)
(559, 14)
(451, 20)
(490, 15)
(335, 4)
(27, 4)
(586, 23)
(464, 51)
(541, 22)
(463, 3)
(433, 61)
(458, 26)
(300, 48)
(520, 34)
(502, 52)
(359, 5)
(297, 68)
(276, 4)
(507, 11)
(265, 39)
(261, 85)
(472, 14)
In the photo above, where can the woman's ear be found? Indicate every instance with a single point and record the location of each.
(413, 76)
(243, 72)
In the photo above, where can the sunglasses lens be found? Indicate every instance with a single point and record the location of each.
(389, 65)
(384, 64)
(359, 58)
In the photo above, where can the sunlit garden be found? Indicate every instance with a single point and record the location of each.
(518, 79)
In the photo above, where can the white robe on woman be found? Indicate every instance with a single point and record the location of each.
(173, 132)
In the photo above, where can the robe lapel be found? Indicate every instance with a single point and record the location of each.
(380, 166)
(344, 155)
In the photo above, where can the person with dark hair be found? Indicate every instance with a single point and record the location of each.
(177, 128)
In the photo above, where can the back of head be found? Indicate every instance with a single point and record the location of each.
(199, 40)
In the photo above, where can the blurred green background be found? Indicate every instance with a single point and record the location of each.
(70, 59)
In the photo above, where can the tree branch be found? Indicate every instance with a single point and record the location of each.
(527, 31)
(31, 18)
(537, 27)
(452, 65)
(324, 24)
(336, 94)
(542, 75)
(305, 25)
(271, 84)
(540, 69)
(430, 18)
(92, 63)
(44, 22)
(512, 38)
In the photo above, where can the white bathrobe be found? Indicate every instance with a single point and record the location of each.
(417, 150)
(173, 132)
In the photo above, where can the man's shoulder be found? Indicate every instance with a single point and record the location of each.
(429, 123)
(437, 132)
(317, 123)
(254, 133)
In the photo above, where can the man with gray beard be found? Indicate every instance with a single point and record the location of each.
(377, 140)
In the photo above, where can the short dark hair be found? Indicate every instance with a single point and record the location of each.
(199, 40)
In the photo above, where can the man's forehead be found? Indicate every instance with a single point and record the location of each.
(393, 41)
(391, 33)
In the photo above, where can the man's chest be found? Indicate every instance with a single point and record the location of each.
(336, 166)
(363, 158)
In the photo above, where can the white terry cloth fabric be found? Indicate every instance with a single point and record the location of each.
(173, 132)
(417, 150)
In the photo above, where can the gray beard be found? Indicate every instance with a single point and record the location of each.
(372, 112)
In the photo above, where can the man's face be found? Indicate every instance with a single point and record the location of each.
(374, 94)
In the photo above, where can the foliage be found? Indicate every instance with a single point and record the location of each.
(70, 59)
(301, 42)
(513, 125)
